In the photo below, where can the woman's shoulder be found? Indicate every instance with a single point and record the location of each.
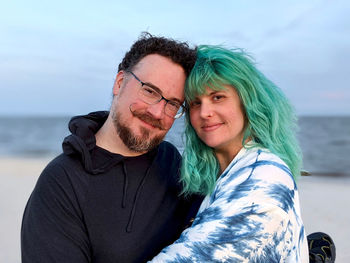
(260, 165)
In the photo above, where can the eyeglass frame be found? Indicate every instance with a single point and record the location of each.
(182, 107)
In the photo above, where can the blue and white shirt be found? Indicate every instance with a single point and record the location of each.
(253, 215)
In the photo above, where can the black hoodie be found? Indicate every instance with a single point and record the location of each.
(90, 205)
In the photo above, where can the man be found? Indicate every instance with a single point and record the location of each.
(113, 195)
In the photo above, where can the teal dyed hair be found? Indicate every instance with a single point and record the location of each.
(270, 118)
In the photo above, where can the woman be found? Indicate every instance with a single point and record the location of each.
(241, 152)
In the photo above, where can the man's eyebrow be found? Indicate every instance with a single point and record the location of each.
(153, 87)
(160, 92)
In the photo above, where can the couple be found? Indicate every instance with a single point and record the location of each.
(118, 193)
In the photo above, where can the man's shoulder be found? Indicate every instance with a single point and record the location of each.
(63, 162)
(63, 169)
(168, 150)
(168, 156)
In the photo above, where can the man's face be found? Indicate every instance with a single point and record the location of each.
(139, 125)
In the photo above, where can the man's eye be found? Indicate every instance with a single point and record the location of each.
(174, 104)
(149, 91)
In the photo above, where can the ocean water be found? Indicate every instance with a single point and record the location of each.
(325, 141)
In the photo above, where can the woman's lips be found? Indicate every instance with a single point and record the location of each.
(211, 127)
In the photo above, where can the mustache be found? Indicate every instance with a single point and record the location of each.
(149, 119)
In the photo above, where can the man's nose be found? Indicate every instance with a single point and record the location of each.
(157, 110)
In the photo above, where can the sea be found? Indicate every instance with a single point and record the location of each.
(325, 140)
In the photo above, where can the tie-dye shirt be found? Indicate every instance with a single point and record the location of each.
(253, 215)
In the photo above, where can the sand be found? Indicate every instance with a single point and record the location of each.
(18, 178)
(325, 207)
(324, 200)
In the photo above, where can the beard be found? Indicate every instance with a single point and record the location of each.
(137, 143)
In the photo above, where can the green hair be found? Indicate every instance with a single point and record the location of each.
(270, 118)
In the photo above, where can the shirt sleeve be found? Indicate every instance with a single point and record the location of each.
(245, 222)
(52, 227)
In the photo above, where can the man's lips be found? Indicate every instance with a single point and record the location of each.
(151, 125)
(148, 120)
(145, 118)
(211, 126)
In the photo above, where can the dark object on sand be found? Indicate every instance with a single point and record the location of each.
(321, 248)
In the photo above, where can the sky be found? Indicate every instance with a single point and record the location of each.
(61, 57)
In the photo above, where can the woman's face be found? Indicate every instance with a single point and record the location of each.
(218, 119)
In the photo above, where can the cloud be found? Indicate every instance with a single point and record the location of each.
(56, 48)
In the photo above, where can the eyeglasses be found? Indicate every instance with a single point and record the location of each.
(150, 96)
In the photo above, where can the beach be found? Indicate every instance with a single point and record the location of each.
(324, 202)
(18, 177)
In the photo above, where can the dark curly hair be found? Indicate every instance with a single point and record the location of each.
(179, 52)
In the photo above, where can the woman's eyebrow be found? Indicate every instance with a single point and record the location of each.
(214, 92)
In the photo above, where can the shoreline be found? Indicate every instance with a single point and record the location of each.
(323, 196)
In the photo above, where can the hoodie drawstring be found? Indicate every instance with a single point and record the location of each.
(125, 187)
(138, 192)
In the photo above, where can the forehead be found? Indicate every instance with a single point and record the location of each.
(208, 90)
(152, 60)
(163, 73)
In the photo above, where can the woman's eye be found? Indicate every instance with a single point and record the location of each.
(218, 97)
(194, 103)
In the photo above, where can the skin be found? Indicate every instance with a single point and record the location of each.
(150, 121)
(219, 121)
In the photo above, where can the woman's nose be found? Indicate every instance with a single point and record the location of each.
(206, 110)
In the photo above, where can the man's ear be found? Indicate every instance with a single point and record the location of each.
(120, 78)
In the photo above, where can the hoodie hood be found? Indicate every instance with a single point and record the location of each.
(82, 145)
(82, 141)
